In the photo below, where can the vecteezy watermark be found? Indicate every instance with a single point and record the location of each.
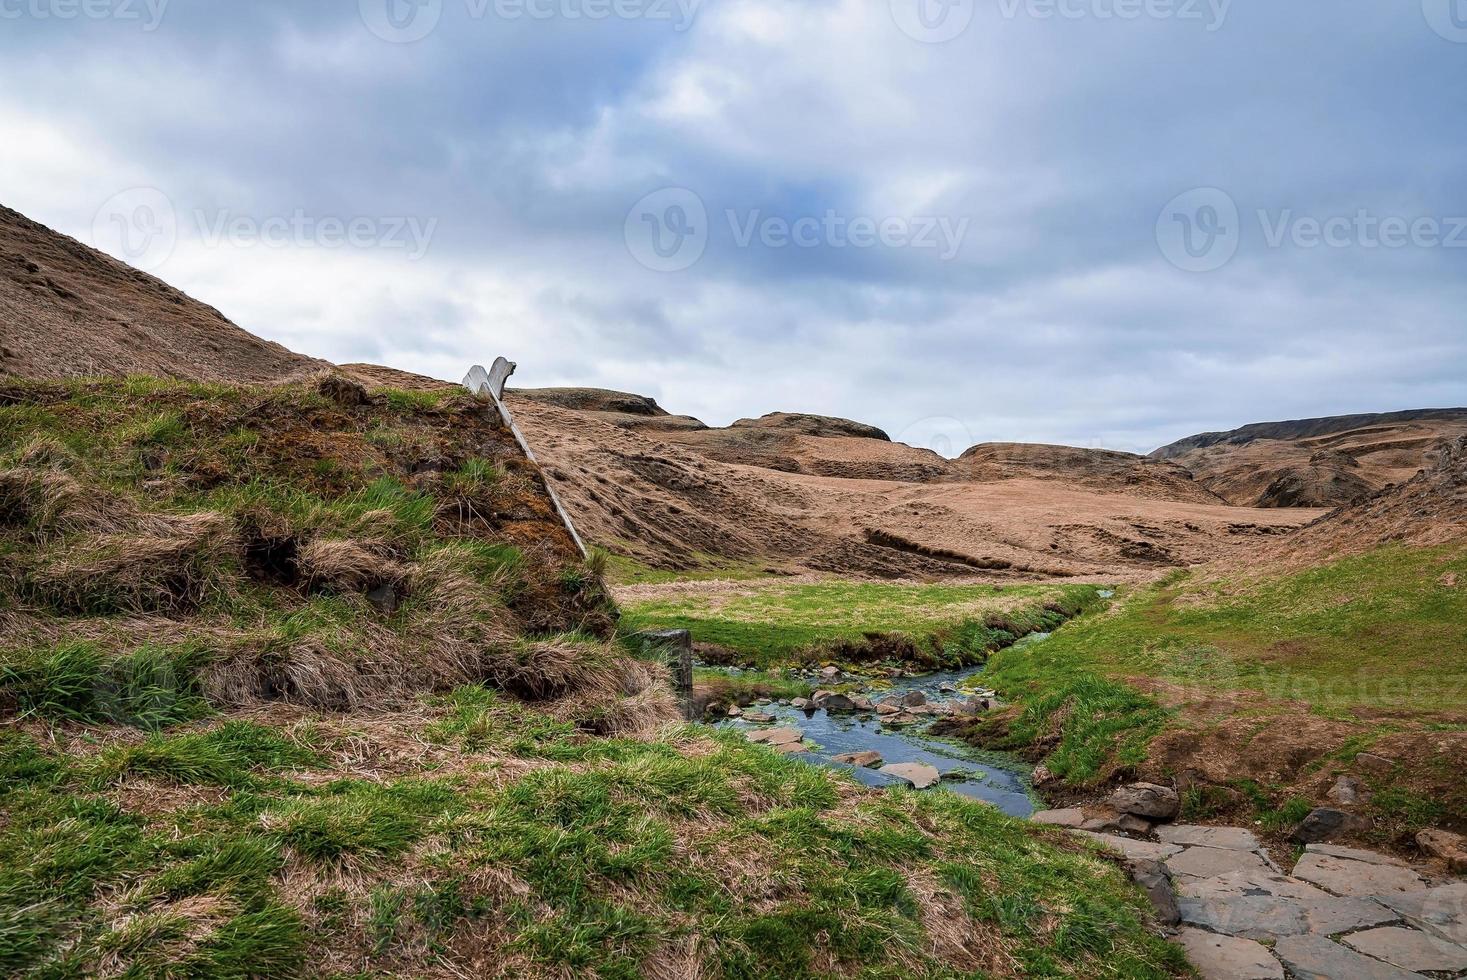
(1212, 14)
(300, 229)
(1448, 18)
(148, 14)
(932, 21)
(936, 21)
(946, 436)
(142, 227)
(669, 230)
(834, 230)
(1201, 230)
(139, 226)
(406, 21)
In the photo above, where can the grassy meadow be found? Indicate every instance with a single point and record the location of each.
(307, 681)
(769, 623)
(1367, 654)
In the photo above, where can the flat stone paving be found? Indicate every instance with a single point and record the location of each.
(1209, 862)
(1409, 949)
(1357, 877)
(1342, 914)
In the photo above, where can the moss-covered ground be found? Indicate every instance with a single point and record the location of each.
(769, 623)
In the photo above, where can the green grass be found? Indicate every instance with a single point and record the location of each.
(150, 687)
(1375, 630)
(543, 850)
(750, 684)
(773, 623)
(1375, 642)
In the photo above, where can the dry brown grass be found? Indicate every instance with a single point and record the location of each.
(177, 564)
(349, 566)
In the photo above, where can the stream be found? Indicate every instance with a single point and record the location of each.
(995, 778)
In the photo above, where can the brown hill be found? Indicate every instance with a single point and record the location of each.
(788, 492)
(784, 500)
(67, 310)
(1327, 462)
(1429, 509)
(1096, 469)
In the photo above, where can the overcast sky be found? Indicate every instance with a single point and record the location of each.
(1094, 222)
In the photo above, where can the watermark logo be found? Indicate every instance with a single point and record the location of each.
(401, 21)
(147, 14)
(406, 21)
(1199, 231)
(667, 231)
(142, 227)
(932, 21)
(946, 436)
(1212, 14)
(1448, 18)
(834, 230)
(139, 226)
(299, 229)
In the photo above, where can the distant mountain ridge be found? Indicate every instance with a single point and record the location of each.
(1304, 429)
(1323, 462)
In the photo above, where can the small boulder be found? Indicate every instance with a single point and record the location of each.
(1326, 823)
(947, 688)
(1152, 876)
(862, 704)
(1149, 800)
(777, 736)
(830, 673)
(759, 718)
(919, 775)
(912, 699)
(887, 709)
(1346, 791)
(1446, 846)
(867, 759)
(1041, 775)
(736, 712)
(837, 704)
(802, 704)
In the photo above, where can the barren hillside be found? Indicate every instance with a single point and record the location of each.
(68, 310)
(859, 505)
(783, 492)
(1427, 510)
(1326, 462)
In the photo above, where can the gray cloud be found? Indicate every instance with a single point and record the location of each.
(1058, 141)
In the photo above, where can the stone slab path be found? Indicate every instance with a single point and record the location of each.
(1341, 913)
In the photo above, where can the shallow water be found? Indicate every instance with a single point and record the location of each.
(993, 779)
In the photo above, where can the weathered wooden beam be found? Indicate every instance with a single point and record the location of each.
(490, 384)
